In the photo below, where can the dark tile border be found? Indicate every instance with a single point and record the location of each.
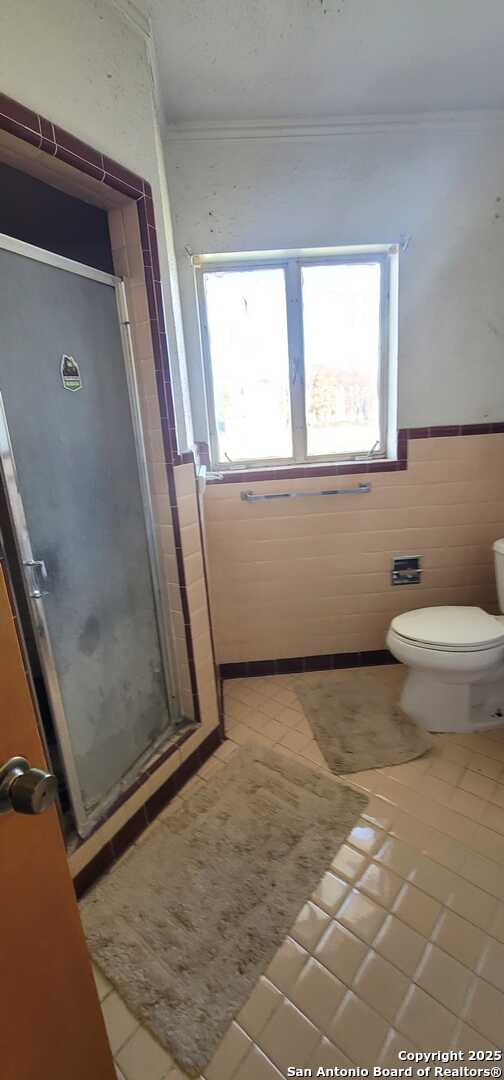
(293, 665)
(41, 133)
(145, 815)
(177, 741)
(354, 468)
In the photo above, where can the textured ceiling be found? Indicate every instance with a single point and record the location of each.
(227, 60)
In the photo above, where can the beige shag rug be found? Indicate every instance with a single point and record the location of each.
(357, 721)
(184, 926)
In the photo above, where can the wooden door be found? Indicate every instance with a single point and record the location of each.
(50, 1019)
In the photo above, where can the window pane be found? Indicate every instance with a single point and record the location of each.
(341, 313)
(247, 324)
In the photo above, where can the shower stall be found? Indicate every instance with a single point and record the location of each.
(77, 524)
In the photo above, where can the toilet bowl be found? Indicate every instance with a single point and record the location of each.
(455, 661)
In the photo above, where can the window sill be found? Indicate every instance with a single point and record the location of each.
(297, 472)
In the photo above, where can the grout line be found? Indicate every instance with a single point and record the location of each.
(369, 858)
(352, 783)
(443, 905)
(371, 946)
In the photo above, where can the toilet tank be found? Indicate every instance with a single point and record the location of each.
(499, 570)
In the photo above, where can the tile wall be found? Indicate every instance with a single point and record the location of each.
(128, 263)
(297, 578)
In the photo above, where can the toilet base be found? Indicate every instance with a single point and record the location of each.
(442, 706)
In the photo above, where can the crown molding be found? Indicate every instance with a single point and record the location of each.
(327, 127)
(135, 15)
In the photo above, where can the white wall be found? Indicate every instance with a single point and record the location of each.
(83, 66)
(80, 64)
(438, 182)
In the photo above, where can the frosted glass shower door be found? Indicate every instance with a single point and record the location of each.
(69, 464)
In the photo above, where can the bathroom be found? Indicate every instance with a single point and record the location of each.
(269, 548)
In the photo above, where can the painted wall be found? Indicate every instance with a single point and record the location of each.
(83, 66)
(441, 184)
(309, 576)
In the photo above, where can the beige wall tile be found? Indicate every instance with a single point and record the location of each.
(193, 567)
(142, 341)
(187, 509)
(137, 302)
(196, 596)
(311, 576)
(191, 539)
(116, 229)
(185, 480)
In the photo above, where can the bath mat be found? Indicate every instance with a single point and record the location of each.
(186, 923)
(357, 721)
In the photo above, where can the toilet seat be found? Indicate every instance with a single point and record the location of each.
(450, 629)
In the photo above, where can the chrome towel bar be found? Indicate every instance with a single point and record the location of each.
(249, 496)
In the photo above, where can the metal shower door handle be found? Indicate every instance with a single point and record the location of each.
(37, 566)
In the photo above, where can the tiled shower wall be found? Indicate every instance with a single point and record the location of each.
(298, 578)
(128, 263)
(196, 592)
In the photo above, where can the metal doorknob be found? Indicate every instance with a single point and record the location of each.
(25, 790)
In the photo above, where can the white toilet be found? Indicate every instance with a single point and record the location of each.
(456, 661)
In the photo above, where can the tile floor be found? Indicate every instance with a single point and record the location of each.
(402, 944)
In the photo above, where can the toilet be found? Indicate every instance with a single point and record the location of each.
(455, 657)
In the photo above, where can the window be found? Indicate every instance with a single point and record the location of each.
(296, 354)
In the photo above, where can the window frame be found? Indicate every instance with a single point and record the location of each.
(292, 263)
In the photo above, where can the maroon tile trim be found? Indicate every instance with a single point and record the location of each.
(19, 114)
(118, 172)
(297, 472)
(129, 833)
(185, 458)
(442, 431)
(78, 149)
(325, 662)
(24, 133)
(147, 813)
(94, 870)
(178, 740)
(354, 468)
(87, 167)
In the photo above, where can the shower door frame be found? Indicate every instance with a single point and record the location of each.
(86, 821)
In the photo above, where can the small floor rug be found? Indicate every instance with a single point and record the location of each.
(184, 926)
(357, 721)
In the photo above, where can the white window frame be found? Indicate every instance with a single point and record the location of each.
(292, 263)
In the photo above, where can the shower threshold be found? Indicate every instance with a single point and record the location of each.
(140, 771)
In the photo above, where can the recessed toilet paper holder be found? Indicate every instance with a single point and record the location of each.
(406, 570)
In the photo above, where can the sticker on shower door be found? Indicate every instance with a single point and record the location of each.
(70, 373)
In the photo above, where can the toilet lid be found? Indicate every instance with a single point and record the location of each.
(452, 627)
